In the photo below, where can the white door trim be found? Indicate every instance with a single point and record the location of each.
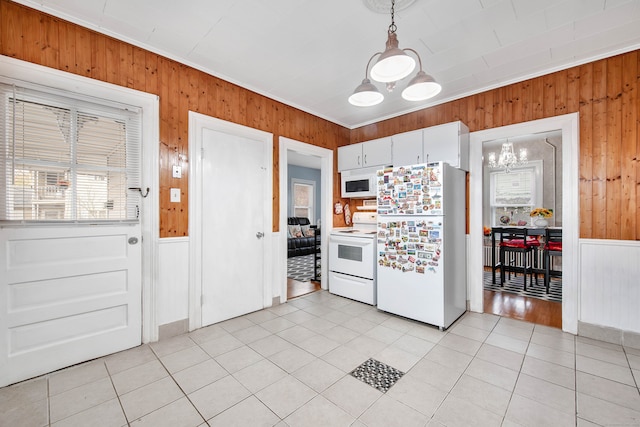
(569, 124)
(197, 123)
(326, 200)
(150, 214)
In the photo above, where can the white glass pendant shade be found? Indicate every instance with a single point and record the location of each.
(394, 64)
(366, 95)
(421, 87)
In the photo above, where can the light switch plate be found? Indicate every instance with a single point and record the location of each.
(175, 195)
(177, 171)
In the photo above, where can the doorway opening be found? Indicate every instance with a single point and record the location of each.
(567, 126)
(525, 179)
(306, 190)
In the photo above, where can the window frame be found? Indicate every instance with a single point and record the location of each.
(536, 166)
(312, 198)
(78, 105)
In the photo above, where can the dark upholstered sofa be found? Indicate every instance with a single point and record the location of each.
(302, 243)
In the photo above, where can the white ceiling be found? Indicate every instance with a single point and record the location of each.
(312, 54)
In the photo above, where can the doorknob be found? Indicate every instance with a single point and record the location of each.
(133, 240)
(259, 234)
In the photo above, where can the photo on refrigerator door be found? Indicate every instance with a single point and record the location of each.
(398, 242)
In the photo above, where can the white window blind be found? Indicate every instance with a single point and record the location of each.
(303, 198)
(67, 158)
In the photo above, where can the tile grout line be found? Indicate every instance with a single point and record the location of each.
(176, 382)
(126, 418)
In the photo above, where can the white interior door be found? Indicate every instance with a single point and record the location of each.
(233, 176)
(69, 294)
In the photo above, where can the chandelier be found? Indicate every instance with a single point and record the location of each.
(508, 159)
(394, 64)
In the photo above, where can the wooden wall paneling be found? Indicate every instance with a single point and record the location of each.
(548, 95)
(489, 99)
(586, 151)
(181, 150)
(560, 86)
(498, 107)
(139, 69)
(517, 105)
(83, 51)
(507, 105)
(112, 52)
(67, 43)
(470, 104)
(613, 149)
(10, 31)
(630, 208)
(50, 44)
(537, 98)
(599, 123)
(127, 74)
(478, 111)
(222, 105)
(164, 76)
(98, 57)
(455, 110)
(637, 150)
(31, 38)
(573, 89)
(151, 73)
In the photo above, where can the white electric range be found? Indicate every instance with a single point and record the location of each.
(352, 258)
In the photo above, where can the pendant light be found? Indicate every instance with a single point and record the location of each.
(366, 95)
(394, 64)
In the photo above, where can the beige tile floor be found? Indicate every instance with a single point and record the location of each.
(289, 366)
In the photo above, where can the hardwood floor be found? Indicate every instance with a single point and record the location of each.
(296, 288)
(533, 310)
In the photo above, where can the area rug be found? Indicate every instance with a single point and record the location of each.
(300, 268)
(377, 374)
(515, 286)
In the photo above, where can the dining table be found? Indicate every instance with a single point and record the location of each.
(531, 231)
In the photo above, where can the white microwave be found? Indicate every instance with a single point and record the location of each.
(359, 183)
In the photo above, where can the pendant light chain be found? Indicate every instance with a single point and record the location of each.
(393, 65)
(392, 27)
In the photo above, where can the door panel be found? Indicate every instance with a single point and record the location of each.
(69, 294)
(233, 174)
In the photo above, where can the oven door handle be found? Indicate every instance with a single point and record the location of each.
(351, 242)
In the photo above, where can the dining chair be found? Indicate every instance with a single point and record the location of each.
(514, 241)
(552, 248)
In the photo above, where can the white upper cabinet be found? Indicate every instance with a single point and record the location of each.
(407, 148)
(447, 143)
(367, 154)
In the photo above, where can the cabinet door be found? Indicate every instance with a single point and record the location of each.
(350, 157)
(447, 143)
(377, 152)
(407, 148)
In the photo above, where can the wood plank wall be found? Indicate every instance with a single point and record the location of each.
(39, 38)
(605, 93)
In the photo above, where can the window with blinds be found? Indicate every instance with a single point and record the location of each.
(68, 159)
(303, 198)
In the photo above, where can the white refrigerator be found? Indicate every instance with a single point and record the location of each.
(421, 243)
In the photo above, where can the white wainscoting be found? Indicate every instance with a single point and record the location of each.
(609, 284)
(173, 279)
(279, 265)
